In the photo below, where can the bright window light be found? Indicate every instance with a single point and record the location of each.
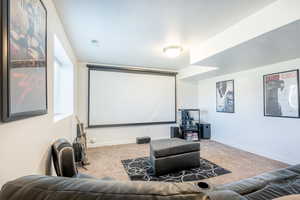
(63, 83)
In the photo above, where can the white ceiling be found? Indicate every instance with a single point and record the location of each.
(276, 46)
(134, 32)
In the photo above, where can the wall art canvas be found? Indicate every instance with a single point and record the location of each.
(225, 96)
(24, 73)
(281, 94)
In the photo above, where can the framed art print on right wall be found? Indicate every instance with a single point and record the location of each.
(225, 96)
(281, 94)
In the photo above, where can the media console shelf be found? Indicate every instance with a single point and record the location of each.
(189, 124)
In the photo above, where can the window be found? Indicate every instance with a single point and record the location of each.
(63, 104)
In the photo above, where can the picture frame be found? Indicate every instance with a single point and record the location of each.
(225, 97)
(281, 94)
(24, 59)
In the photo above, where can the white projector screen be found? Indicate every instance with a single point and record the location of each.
(122, 97)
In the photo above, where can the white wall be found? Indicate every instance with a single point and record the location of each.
(187, 97)
(24, 144)
(247, 128)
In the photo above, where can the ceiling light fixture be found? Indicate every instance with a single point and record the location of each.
(173, 51)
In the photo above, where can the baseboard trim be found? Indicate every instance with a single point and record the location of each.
(110, 143)
(118, 142)
(252, 150)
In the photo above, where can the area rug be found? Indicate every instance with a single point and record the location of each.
(140, 169)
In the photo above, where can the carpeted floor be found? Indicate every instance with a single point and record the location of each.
(106, 161)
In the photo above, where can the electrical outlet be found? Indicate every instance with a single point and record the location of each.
(92, 140)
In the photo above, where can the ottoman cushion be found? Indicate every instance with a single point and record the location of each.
(173, 146)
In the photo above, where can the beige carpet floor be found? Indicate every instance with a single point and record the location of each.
(106, 161)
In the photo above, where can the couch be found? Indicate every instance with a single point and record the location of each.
(64, 188)
(269, 185)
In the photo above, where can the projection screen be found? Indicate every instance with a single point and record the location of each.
(124, 97)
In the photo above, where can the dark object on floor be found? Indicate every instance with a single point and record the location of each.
(64, 161)
(140, 169)
(169, 155)
(61, 188)
(143, 140)
(267, 186)
(205, 130)
(77, 152)
(175, 132)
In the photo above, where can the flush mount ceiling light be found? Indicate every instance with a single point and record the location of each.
(173, 51)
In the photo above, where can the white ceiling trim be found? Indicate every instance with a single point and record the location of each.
(194, 70)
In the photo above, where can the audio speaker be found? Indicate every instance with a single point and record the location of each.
(174, 132)
(143, 140)
(205, 131)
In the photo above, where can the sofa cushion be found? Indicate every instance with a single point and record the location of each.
(294, 168)
(62, 188)
(173, 146)
(253, 184)
(276, 189)
(269, 185)
(80, 175)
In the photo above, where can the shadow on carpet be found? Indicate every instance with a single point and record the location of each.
(140, 169)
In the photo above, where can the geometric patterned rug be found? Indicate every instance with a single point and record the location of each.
(140, 169)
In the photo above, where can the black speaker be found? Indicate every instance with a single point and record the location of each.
(143, 140)
(205, 131)
(174, 132)
(77, 152)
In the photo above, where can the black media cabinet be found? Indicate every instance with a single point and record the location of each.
(189, 124)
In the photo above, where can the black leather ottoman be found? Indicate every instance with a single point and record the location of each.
(169, 155)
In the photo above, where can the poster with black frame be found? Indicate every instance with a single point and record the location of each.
(225, 96)
(24, 59)
(281, 94)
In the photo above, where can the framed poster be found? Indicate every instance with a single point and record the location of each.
(225, 96)
(24, 59)
(281, 94)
